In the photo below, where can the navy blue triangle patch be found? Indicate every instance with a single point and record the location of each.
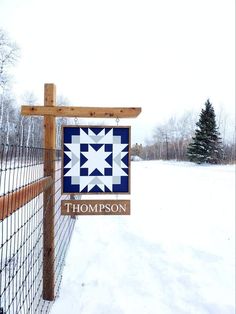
(66, 170)
(66, 160)
(85, 189)
(125, 159)
(126, 170)
(96, 146)
(107, 130)
(83, 160)
(85, 130)
(96, 189)
(106, 189)
(109, 160)
(96, 172)
(66, 149)
(126, 149)
(96, 130)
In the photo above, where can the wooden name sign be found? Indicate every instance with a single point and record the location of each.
(95, 207)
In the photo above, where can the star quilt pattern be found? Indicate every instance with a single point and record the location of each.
(95, 159)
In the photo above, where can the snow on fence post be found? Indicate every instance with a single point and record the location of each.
(49, 201)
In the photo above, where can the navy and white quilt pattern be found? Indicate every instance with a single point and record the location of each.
(96, 159)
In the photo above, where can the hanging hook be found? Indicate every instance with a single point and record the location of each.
(117, 121)
(76, 120)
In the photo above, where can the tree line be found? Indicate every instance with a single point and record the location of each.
(187, 138)
(171, 140)
(15, 129)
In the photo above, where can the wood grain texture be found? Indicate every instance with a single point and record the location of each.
(11, 202)
(49, 196)
(82, 112)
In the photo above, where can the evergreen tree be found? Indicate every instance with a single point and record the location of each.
(206, 146)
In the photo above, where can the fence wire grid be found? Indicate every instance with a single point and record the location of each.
(21, 229)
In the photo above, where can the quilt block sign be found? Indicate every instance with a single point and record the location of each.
(96, 159)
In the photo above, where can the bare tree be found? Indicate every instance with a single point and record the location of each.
(29, 130)
(163, 135)
(9, 120)
(9, 53)
(172, 137)
(61, 101)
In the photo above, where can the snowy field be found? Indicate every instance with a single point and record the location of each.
(175, 254)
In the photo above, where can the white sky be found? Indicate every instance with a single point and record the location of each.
(166, 56)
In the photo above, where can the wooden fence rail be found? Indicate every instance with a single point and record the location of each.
(10, 202)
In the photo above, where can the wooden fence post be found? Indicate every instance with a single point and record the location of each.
(49, 196)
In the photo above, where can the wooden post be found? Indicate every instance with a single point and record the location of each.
(49, 196)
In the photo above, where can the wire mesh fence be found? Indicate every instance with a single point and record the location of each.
(22, 184)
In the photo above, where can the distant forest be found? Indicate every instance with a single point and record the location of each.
(169, 141)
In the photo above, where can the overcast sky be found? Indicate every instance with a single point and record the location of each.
(166, 56)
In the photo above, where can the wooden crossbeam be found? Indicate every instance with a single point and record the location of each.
(81, 112)
(10, 202)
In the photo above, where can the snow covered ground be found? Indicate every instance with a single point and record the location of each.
(175, 254)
